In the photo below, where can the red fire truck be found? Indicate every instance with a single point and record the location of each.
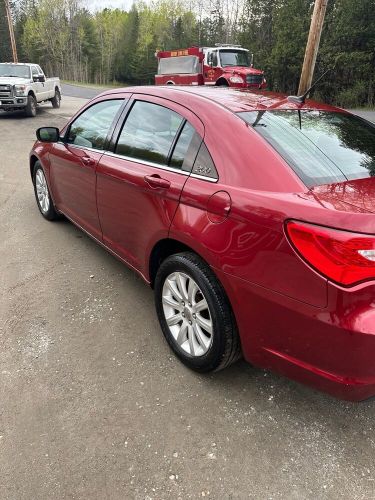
(223, 65)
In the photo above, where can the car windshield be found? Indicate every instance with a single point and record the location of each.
(234, 58)
(321, 147)
(15, 70)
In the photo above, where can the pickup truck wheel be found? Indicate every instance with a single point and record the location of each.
(42, 194)
(30, 109)
(56, 100)
(195, 315)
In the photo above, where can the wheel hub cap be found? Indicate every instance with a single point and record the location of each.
(187, 314)
(42, 191)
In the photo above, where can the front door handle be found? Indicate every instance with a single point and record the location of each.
(86, 160)
(155, 181)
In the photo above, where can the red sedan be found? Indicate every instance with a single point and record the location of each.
(250, 214)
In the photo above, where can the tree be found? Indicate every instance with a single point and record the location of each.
(111, 44)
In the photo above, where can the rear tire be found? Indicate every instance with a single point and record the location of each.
(56, 99)
(42, 194)
(30, 109)
(195, 315)
(222, 83)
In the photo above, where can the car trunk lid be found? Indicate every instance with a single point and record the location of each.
(350, 196)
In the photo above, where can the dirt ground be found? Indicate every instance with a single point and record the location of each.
(93, 405)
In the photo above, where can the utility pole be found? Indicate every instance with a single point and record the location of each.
(312, 46)
(11, 31)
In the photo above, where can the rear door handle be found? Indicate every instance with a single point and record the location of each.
(86, 160)
(155, 181)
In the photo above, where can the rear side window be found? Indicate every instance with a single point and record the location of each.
(149, 132)
(321, 147)
(91, 128)
(186, 148)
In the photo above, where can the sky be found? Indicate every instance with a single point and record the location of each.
(101, 4)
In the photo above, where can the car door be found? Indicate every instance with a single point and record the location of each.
(37, 85)
(73, 163)
(140, 181)
(45, 88)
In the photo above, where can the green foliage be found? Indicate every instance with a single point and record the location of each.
(111, 44)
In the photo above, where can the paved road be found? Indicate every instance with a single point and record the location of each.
(93, 404)
(369, 115)
(79, 91)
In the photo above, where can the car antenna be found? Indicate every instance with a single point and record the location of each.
(300, 99)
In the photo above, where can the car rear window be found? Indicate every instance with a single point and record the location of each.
(321, 147)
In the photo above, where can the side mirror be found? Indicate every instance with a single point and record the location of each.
(48, 134)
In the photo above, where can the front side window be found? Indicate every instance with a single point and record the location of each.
(91, 128)
(321, 147)
(149, 132)
(212, 59)
(234, 58)
(34, 71)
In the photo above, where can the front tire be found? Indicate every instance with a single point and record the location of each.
(195, 315)
(56, 99)
(42, 194)
(30, 109)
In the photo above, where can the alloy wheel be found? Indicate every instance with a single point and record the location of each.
(42, 191)
(187, 314)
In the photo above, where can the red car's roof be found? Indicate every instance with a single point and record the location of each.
(234, 99)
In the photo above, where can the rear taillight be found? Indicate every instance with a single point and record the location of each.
(344, 257)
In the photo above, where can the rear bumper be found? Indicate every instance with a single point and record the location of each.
(7, 103)
(331, 349)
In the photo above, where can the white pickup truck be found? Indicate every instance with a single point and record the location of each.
(22, 86)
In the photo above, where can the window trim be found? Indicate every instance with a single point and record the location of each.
(157, 165)
(115, 120)
(112, 143)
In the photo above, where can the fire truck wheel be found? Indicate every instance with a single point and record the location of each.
(222, 83)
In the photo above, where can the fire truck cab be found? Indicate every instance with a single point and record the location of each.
(222, 65)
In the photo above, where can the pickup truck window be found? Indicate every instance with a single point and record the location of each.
(15, 70)
(34, 71)
(91, 128)
(149, 132)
